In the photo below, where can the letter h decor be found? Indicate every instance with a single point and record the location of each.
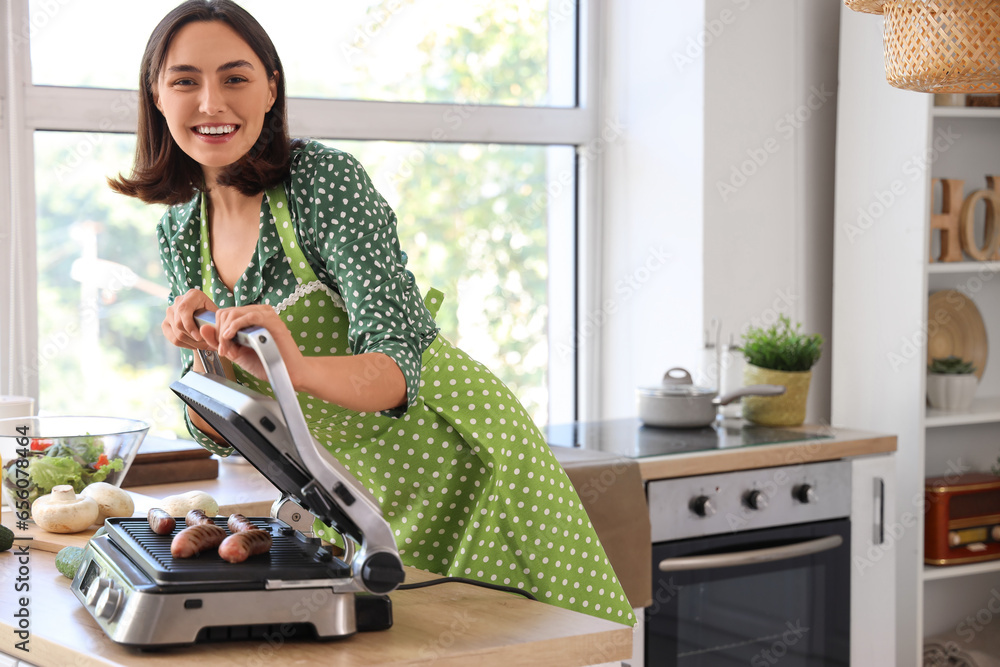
(956, 221)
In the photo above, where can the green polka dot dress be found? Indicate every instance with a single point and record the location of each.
(465, 478)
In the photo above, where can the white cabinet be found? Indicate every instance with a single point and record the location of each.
(890, 143)
(873, 540)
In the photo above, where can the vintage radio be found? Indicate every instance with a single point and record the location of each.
(963, 518)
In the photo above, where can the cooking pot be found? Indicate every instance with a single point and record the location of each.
(679, 403)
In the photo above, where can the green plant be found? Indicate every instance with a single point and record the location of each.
(951, 366)
(782, 347)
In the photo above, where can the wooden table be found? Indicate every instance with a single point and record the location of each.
(451, 624)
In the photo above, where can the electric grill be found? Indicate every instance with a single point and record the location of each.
(141, 596)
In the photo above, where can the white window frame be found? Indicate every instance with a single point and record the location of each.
(26, 108)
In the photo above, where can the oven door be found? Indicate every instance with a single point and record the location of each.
(764, 597)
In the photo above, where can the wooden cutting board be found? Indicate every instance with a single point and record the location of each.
(161, 461)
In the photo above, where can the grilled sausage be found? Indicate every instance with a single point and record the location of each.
(238, 523)
(239, 546)
(195, 539)
(197, 518)
(160, 522)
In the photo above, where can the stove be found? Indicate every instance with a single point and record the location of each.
(748, 566)
(630, 438)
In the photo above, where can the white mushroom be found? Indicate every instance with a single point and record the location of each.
(183, 503)
(111, 500)
(63, 511)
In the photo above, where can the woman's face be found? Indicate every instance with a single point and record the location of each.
(213, 92)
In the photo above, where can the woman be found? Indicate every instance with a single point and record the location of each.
(291, 236)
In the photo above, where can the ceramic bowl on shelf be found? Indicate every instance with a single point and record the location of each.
(39, 453)
(951, 392)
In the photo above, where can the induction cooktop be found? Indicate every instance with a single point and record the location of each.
(630, 438)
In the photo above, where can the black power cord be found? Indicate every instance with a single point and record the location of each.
(463, 580)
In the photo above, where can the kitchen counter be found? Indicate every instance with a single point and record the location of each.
(451, 624)
(627, 438)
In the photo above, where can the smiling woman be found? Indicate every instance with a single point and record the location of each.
(307, 248)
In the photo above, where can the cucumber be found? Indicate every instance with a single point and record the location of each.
(69, 560)
(6, 538)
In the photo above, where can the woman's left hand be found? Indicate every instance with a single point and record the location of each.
(230, 320)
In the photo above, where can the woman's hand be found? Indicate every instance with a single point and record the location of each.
(228, 321)
(179, 326)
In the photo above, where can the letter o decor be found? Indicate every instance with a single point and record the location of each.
(991, 231)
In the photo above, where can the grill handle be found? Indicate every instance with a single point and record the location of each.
(376, 564)
(751, 557)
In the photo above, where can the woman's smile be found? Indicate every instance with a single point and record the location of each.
(215, 133)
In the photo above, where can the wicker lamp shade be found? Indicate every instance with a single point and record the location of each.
(940, 46)
(866, 6)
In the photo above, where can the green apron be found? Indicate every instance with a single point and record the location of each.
(465, 478)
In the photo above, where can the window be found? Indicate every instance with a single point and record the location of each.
(468, 51)
(464, 113)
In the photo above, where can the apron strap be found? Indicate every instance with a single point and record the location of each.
(432, 300)
(300, 266)
(206, 252)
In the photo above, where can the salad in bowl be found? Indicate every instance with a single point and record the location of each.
(40, 453)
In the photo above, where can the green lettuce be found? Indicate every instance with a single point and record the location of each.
(49, 471)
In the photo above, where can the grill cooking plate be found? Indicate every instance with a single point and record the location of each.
(290, 558)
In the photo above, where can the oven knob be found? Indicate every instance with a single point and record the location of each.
(96, 588)
(108, 603)
(702, 506)
(756, 500)
(805, 494)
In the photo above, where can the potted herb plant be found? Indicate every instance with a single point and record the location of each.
(779, 354)
(951, 384)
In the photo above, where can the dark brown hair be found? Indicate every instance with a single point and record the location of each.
(161, 172)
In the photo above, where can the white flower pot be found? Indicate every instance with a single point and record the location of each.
(948, 391)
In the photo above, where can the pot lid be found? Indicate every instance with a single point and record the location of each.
(677, 382)
(677, 390)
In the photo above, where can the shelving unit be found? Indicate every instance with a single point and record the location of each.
(963, 267)
(965, 112)
(890, 144)
(934, 572)
(985, 410)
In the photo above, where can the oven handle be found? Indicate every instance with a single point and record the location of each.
(751, 557)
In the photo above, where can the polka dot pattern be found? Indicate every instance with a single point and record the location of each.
(465, 478)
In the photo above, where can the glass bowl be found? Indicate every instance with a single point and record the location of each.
(39, 453)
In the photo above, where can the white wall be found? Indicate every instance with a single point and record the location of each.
(770, 123)
(652, 203)
(696, 86)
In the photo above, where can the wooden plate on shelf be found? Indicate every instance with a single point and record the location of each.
(955, 327)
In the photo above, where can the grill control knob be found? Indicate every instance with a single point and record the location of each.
(805, 494)
(702, 506)
(756, 500)
(96, 588)
(109, 602)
